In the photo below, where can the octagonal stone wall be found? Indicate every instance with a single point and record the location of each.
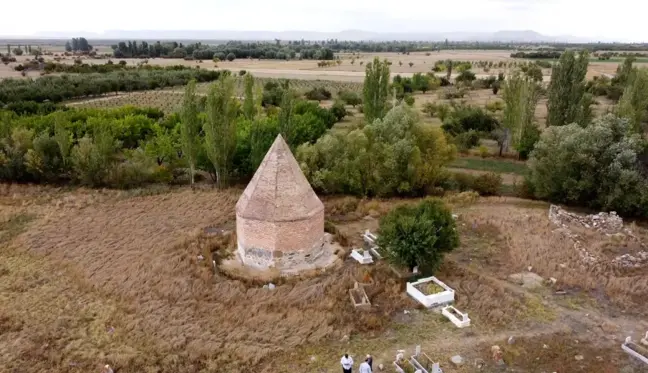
(266, 244)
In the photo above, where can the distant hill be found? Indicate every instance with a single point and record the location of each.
(353, 35)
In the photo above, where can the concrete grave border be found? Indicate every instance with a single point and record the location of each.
(631, 348)
(370, 239)
(364, 299)
(431, 300)
(450, 312)
(416, 359)
(362, 258)
(399, 369)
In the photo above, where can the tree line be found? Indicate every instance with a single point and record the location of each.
(66, 87)
(226, 51)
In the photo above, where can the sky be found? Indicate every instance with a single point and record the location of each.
(581, 18)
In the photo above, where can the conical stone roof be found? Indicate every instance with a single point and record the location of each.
(278, 190)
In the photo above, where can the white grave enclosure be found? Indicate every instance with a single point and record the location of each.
(370, 240)
(403, 365)
(635, 350)
(359, 297)
(425, 364)
(441, 293)
(458, 318)
(362, 256)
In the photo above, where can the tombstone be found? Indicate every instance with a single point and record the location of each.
(418, 350)
(366, 255)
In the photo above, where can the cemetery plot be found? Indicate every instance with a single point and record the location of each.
(430, 292)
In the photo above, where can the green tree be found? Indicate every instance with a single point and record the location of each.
(250, 106)
(220, 128)
(190, 128)
(597, 166)
(93, 157)
(418, 235)
(520, 100)
(376, 90)
(634, 102)
(568, 102)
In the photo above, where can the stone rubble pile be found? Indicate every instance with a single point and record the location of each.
(606, 223)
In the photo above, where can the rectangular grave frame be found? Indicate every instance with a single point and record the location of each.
(399, 369)
(364, 303)
(431, 300)
(370, 239)
(435, 366)
(451, 313)
(630, 348)
(361, 257)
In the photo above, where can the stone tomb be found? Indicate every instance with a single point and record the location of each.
(280, 219)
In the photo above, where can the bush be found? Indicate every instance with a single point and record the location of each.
(488, 184)
(350, 98)
(466, 140)
(597, 166)
(339, 110)
(466, 118)
(318, 94)
(409, 100)
(418, 235)
(231, 57)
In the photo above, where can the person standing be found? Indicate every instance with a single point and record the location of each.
(365, 367)
(347, 363)
(369, 361)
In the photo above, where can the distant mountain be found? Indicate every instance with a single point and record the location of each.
(527, 36)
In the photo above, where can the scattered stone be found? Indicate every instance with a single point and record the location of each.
(110, 330)
(545, 347)
(511, 340)
(313, 359)
(528, 280)
(579, 357)
(271, 286)
(345, 339)
(553, 280)
(406, 312)
(644, 340)
(599, 358)
(457, 360)
(381, 366)
(200, 257)
(479, 363)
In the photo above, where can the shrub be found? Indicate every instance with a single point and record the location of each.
(409, 100)
(418, 235)
(466, 140)
(242, 72)
(465, 118)
(92, 159)
(488, 184)
(350, 98)
(318, 94)
(338, 110)
(230, 57)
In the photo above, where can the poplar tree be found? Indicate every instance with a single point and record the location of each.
(520, 100)
(189, 128)
(220, 127)
(568, 101)
(249, 104)
(376, 90)
(634, 102)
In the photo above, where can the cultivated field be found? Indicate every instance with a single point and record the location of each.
(91, 277)
(346, 71)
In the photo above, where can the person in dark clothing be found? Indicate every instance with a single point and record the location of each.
(370, 361)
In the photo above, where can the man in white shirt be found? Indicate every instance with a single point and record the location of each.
(364, 367)
(347, 363)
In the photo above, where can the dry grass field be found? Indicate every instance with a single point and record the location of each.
(346, 71)
(93, 277)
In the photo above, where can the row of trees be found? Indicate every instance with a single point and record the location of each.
(78, 45)
(65, 87)
(226, 51)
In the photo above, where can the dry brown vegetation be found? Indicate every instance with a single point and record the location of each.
(89, 277)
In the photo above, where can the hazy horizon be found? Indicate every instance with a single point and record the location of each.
(577, 18)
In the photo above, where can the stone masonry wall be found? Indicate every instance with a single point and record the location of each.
(267, 244)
